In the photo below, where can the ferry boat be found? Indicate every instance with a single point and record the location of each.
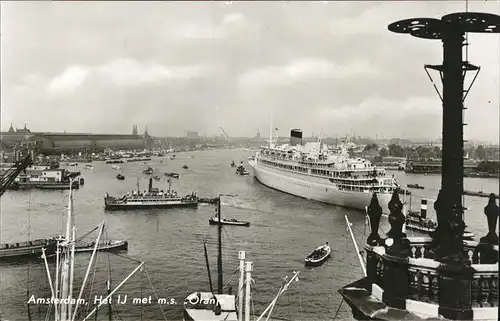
(153, 198)
(27, 249)
(322, 173)
(37, 176)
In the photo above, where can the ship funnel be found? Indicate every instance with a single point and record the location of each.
(150, 183)
(295, 137)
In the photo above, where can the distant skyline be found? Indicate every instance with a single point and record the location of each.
(102, 67)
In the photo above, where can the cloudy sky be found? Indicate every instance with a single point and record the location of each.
(177, 66)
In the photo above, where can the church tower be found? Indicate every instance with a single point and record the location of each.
(134, 130)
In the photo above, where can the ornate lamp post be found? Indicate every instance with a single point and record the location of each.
(451, 30)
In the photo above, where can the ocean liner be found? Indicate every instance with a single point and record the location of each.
(322, 173)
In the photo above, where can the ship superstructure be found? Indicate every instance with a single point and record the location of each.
(322, 173)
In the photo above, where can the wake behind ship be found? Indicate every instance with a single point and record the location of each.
(152, 198)
(321, 173)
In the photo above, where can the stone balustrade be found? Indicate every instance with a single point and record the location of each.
(415, 283)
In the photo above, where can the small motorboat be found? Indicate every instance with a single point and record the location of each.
(185, 167)
(173, 175)
(115, 167)
(319, 255)
(242, 171)
(227, 221)
(233, 164)
(89, 167)
(120, 177)
(157, 178)
(107, 246)
(148, 170)
(416, 186)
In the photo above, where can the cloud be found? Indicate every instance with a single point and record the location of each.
(69, 80)
(303, 70)
(124, 72)
(303, 62)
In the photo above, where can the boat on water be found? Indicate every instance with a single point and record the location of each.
(480, 194)
(40, 176)
(104, 246)
(416, 221)
(173, 175)
(185, 167)
(242, 171)
(148, 170)
(322, 173)
(27, 249)
(59, 185)
(416, 186)
(227, 221)
(152, 198)
(114, 161)
(89, 167)
(156, 178)
(233, 164)
(115, 167)
(318, 256)
(120, 177)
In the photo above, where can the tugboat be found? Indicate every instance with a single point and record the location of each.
(173, 175)
(241, 170)
(318, 256)
(120, 177)
(148, 170)
(215, 220)
(153, 198)
(418, 221)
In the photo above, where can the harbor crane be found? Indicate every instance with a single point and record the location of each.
(224, 132)
(9, 177)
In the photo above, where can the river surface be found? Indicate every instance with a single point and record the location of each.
(284, 229)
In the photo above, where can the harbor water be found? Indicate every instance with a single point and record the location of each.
(284, 229)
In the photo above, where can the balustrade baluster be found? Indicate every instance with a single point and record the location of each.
(424, 287)
(493, 297)
(413, 277)
(475, 293)
(434, 292)
(484, 291)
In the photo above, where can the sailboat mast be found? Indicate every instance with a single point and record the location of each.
(219, 257)
(66, 278)
(208, 267)
(110, 311)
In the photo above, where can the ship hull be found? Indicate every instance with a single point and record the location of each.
(135, 206)
(27, 251)
(316, 189)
